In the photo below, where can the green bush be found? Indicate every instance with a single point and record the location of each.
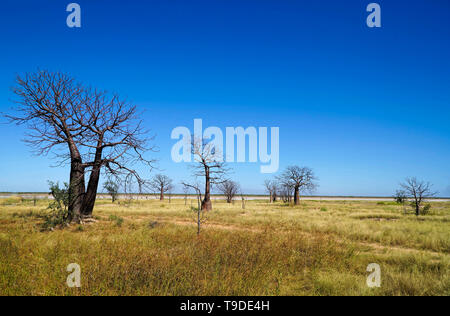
(58, 209)
(426, 209)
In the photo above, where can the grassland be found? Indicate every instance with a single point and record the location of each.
(151, 248)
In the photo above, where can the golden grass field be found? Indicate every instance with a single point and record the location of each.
(150, 247)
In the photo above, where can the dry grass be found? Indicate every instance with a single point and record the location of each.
(150, 248)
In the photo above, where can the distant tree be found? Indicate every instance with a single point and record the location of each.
(185, 192)
(286, 191)
(161, 184)
(418, 191)
(209, 166)
(401, 196)
(271, 188)
(84, 127)
(228, 188)
(301, 179)
(112, 187)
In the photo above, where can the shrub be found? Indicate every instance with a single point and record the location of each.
(426, 209)
(58, 213)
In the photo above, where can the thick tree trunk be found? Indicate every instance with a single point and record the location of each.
(296, 196)
(206, 203)
(161, 195)
(76, 189)
(91, 193)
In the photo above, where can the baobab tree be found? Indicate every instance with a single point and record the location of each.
(88, 129)
(300, 179)
(271, 187)
(418, 191)
(229, 188)
(208, 165)
(161, 184)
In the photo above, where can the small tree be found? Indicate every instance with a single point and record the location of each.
(186, 192)
(401, 197)
(271, 188)
(200, 211)
(112, 188)
(161, 184)
(286, 191)
(229, 188)
(58, 208)
(418, 191)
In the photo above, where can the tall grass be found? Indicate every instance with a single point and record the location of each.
(266, 249)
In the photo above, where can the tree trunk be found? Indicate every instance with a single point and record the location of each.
(199, 222)
(296, 195)
(161, 194)
(76, 189)
(206, 203)
(91, 193)
(271, 197)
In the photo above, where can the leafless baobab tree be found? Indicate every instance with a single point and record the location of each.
(87, 128)
(300, 179)
(418, 191)
(161, 184)
(209, 166)
(286, 191)
(229, 188)
(271, 187)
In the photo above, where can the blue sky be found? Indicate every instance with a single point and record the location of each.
(363, 107)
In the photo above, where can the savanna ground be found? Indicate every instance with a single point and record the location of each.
(150, 247)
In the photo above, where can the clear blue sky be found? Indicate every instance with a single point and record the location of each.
(364, 108)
